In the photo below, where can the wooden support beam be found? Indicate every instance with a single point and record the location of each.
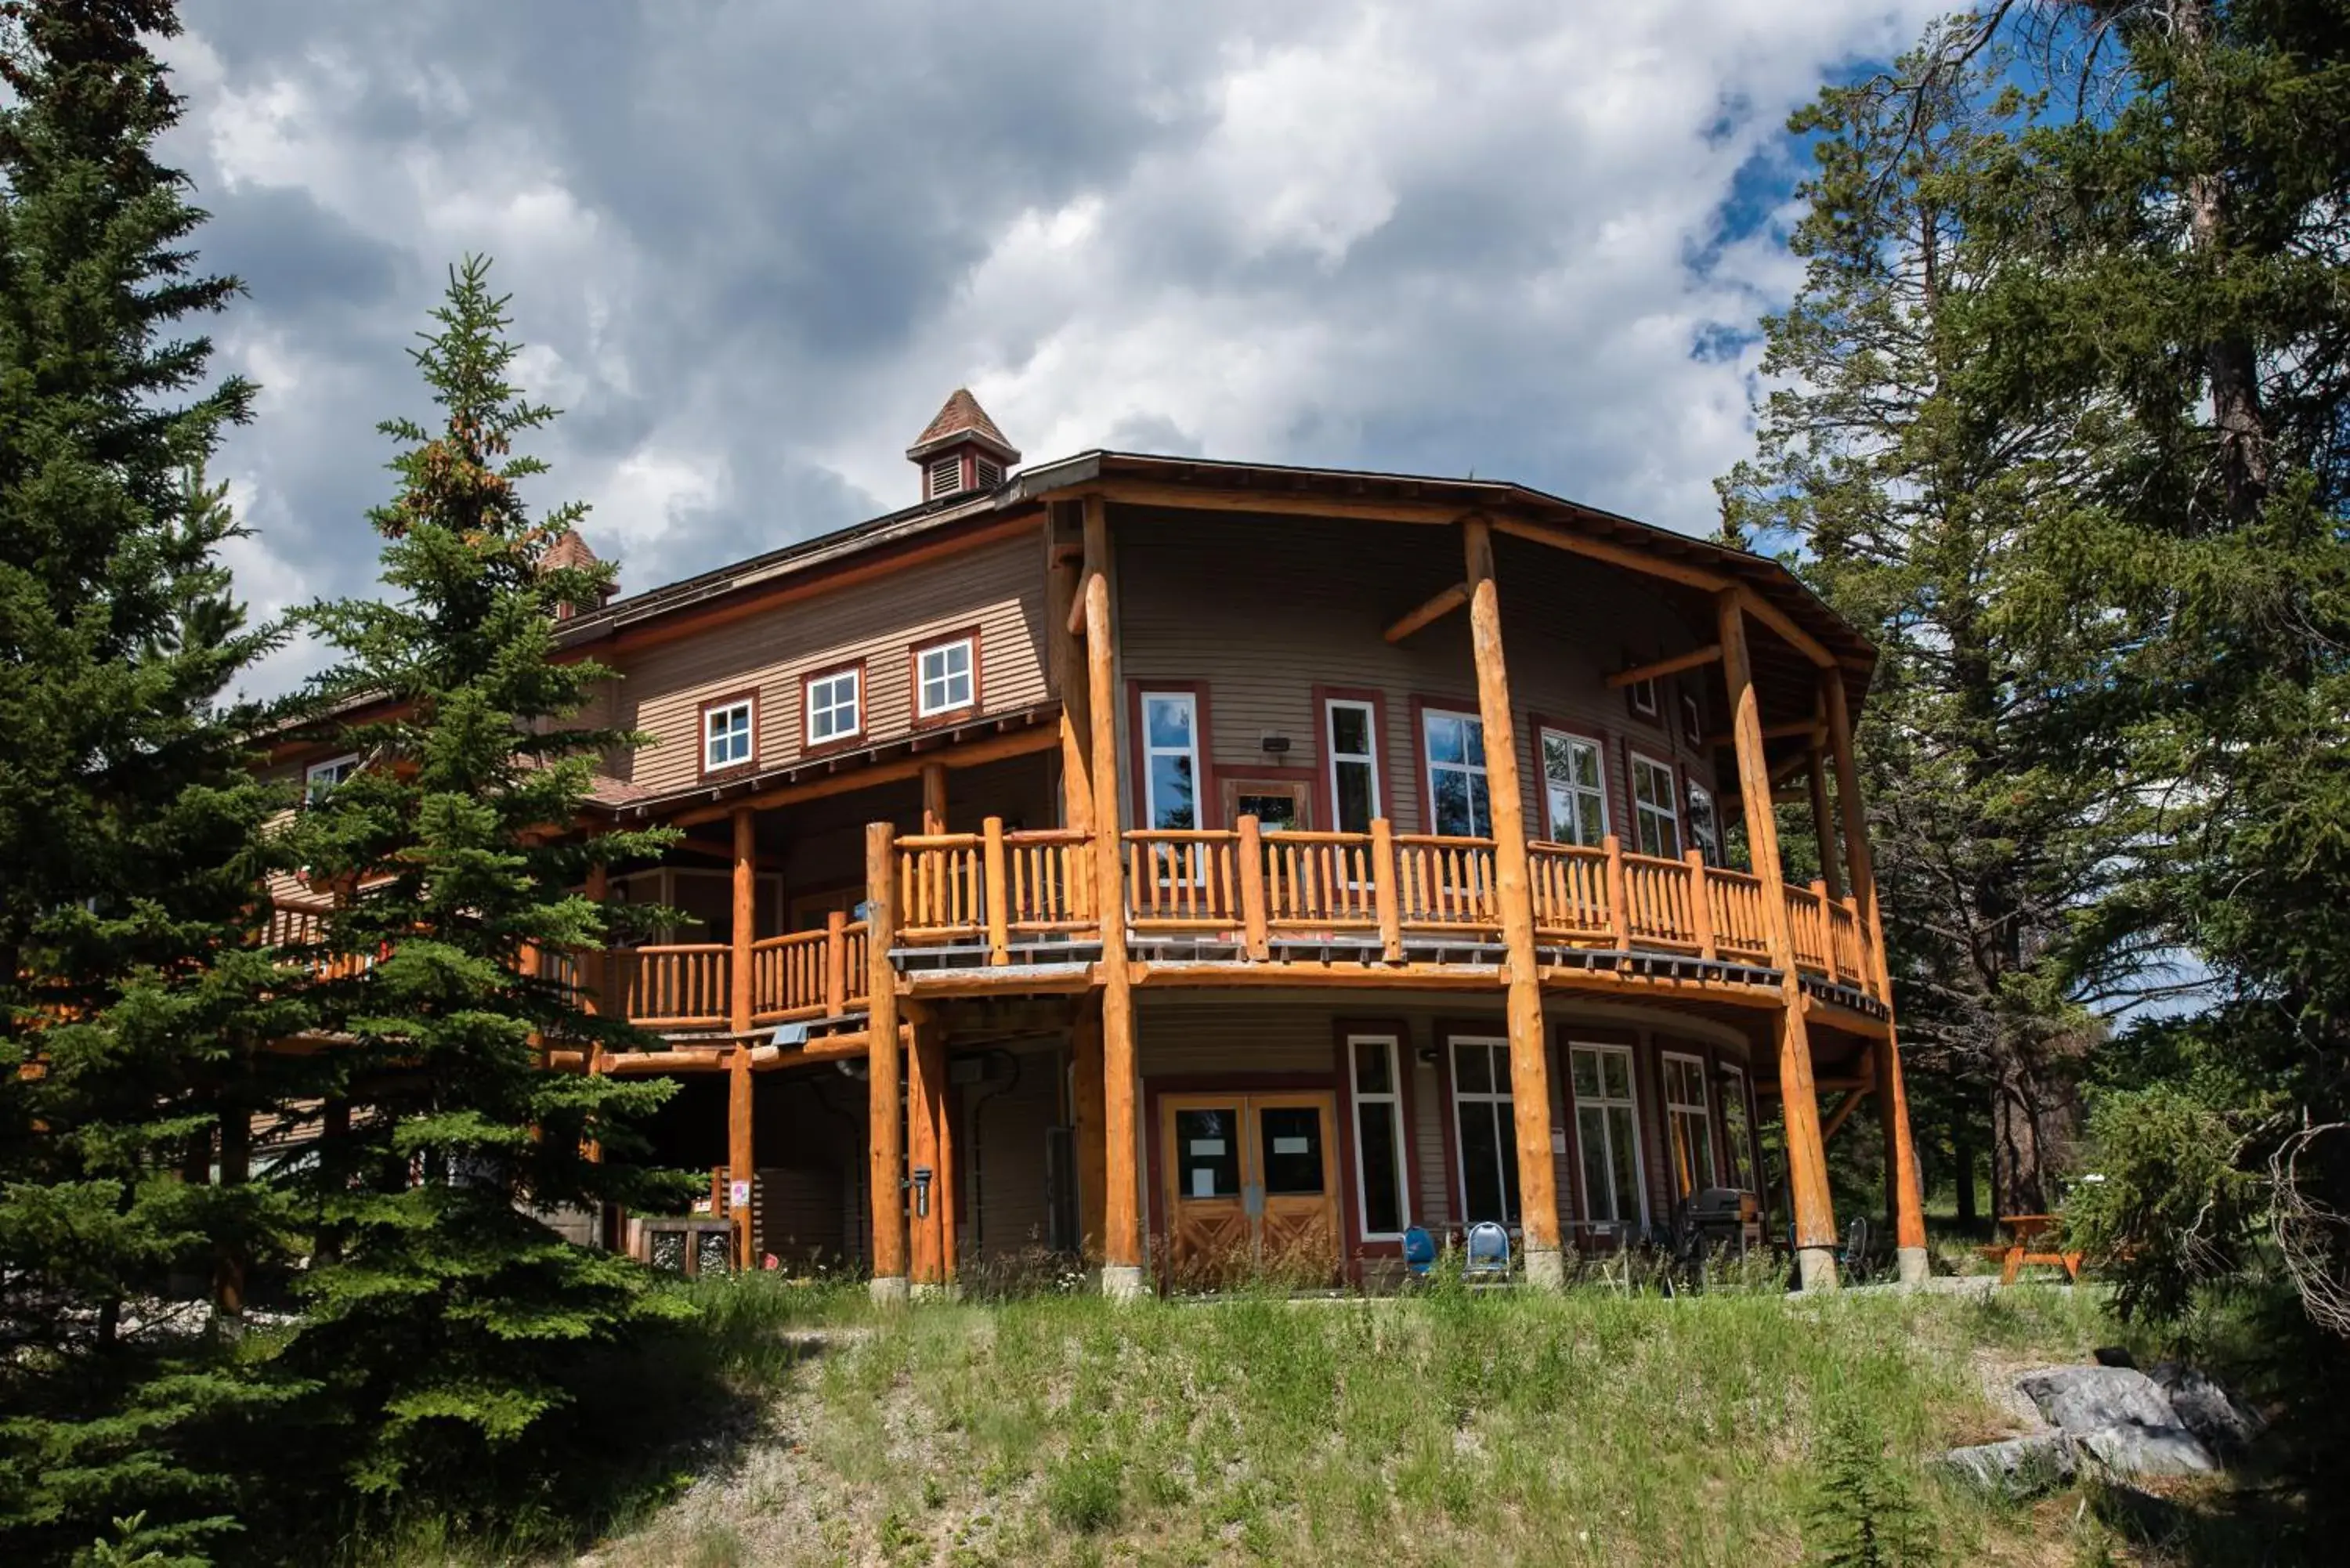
(1514, 895)
(1662, 666)
(1822, 829)
(1386, 896)
(886, 1140)
(1121, 1207)
(1794, 636)
(836, 963)
(1845, 1107)
(1700, 903)
(1632, 560)
(998, 891)
(926, 1072)
(1815, 1237)
(1065, 657)
(1443, 603)
(746, 921)
(1810, 729)
(934, 798)
(740, 1166)
(1906, 1195)
(1250, 853)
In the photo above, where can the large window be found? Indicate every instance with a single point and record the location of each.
(1737, 1127)
(1688, 1123)
(1574, 786)
(1484, 1130)
(1704, 827)
(836, 706)
(727, 735)
(946, 677)
(1608, 1126)
(1351, 730)
(1170, 761)
(1658, 830)
(1455, 744)
(320, 778)
(1379, 1136)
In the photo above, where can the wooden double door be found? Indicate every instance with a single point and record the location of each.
(1252, 1186)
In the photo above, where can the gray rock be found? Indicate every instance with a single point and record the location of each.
(2224, 1422)
(2130, 1450)
(2080, 1399)
(2019, 1468)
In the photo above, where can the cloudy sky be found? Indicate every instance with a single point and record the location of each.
(754, 245)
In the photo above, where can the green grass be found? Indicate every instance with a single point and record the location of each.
(1491, 1426)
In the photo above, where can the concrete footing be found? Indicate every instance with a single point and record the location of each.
(1816, 1268)
(1123, 1282)
(888, 1291)
(1914, 1268)
(1546, 1268)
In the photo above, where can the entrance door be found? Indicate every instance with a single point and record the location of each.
(1252, 1183)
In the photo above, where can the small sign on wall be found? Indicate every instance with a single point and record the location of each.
(1558, 1140)
(738, 1194)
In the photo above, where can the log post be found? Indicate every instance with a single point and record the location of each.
(925, 1076)
(1906, 1199)
(836, 963)
(1385, 900)
(1066, 663)
(887, 1137)
(934, 798)
(998, 890)
(1514, 895)
(1828, 929)
(1086, 1117)
(740, 1165)
(746, 921)
(942, 1183)
(1807, 1170)
(1619, 908)
(1121, 1206)
(1250, 853)
(1823, 829)
(1701, 905)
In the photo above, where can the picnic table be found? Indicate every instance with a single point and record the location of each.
(2031, 1240)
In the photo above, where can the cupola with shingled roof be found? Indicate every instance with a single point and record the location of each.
(962, 450)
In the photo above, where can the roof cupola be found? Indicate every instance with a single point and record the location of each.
(960, 449)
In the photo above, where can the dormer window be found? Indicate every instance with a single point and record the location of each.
(946, 475)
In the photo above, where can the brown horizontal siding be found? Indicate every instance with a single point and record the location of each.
(1263, 610)
(1003, 1163)
(998, 588)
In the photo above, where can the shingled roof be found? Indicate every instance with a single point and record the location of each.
(961, 419)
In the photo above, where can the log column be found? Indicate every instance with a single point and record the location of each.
(1088, 1114)
(739, 1008)
(926, 1144)
(1512, 893)
(1905, 1195)
(886, 1135)
(1808, 1168)
(1065, 660)
(1824, 828)
(934, 798)
(1121, 1185)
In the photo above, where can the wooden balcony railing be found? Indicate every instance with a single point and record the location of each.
(1251, 886)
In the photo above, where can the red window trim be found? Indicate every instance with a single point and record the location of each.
(856, 737)
(1206, 790)
(701, 735)
(915, 717)
(1326, 802)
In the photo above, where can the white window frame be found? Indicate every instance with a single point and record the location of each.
(745, 706)
(1642, 695)
(1599, 757)
(1476, 771)
(1605, 1102)
(1501, 1104)
(1190, 704)
(1642, 810)
(1370, 759)
(1392, 1098)
(1740, 1150)
(1702, 1108)
(923, 707)
(334, 771)
(1708, 843)
(855, 675)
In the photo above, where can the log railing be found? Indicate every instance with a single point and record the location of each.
(1244, 885)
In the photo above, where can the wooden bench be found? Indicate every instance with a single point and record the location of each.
(2031, 1241)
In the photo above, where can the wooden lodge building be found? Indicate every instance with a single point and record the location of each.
(1177, 863)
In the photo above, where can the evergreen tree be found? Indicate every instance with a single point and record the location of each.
(128, 815)
(445, 1314)
(2010, 830)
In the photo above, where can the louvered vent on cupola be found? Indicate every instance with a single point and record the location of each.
(962, 450)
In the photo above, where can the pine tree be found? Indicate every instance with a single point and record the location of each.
(2009, 831)
(446, 1315)
(129, 814)
(1864, 1511)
